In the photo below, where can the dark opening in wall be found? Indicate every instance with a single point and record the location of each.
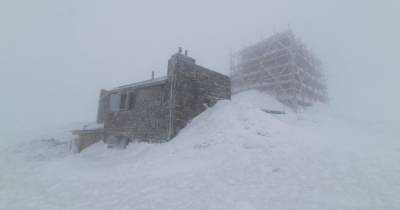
(132, 100)
(122, 105)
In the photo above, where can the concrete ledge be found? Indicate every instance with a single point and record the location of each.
(86, 138)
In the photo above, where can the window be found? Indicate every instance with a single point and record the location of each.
(115, 101)
(132, 100)
(118, 101)
(123, 101)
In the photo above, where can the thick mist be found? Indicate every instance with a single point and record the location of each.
(55, 56)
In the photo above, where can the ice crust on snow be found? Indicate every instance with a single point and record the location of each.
(232, 156)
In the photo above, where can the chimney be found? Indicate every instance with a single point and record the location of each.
(180, 50)
(152, 75)
(186, 53)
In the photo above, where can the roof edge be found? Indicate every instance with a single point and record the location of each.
(144, 83)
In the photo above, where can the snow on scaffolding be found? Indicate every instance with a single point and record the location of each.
(282, 66)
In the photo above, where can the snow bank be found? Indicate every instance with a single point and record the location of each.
(232, 156)
(261, 100)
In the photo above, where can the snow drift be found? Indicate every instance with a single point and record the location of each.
(232, 156)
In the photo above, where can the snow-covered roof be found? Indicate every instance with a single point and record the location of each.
(145, 83)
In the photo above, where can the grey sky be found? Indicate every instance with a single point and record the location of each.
(56, 55)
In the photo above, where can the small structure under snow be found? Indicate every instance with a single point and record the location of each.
(155, 110)
(281, 66)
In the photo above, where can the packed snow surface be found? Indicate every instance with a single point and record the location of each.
(232, 156)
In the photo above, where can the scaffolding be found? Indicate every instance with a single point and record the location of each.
(281, 66)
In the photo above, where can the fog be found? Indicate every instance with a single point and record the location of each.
(55, 56)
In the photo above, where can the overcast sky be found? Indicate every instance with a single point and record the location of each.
(56, 55)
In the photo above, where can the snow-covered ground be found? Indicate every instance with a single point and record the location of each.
(233, 156)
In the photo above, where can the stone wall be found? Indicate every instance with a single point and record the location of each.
(103, 107)
(195, 89)
(146, 120)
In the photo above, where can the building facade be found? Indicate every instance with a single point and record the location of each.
(156, 110)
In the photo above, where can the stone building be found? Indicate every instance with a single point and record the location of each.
(155, 110)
